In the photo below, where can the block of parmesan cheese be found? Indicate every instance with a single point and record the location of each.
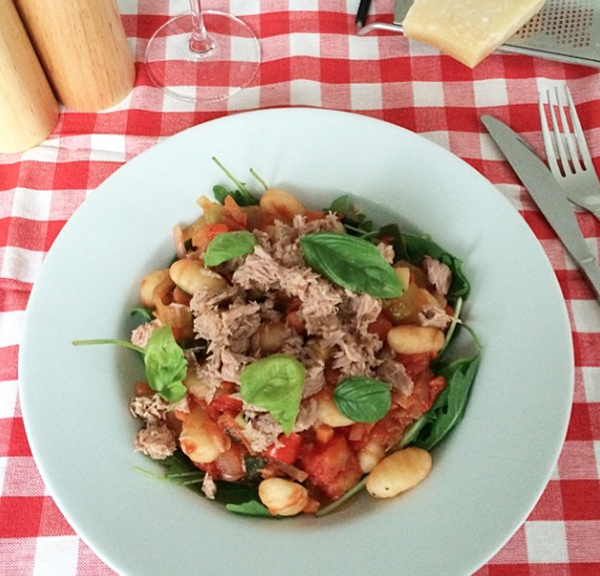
(467, 30)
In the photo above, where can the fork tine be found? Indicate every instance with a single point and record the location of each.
(556, 129)
(567, 133)
(549, 143)
(579, 135)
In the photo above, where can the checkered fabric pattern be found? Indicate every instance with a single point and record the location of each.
(311, 57)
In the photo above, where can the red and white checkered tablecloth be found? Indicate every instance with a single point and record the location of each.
(312, 56)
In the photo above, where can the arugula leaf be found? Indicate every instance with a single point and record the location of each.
(417, 247)
(229, 245)
(165, 362)
(275, 383)
(448, 408)
(350, 262)
(253, 465)
(353, 218)
(363, 399)
(251, 508)
(242, 195)
(145, 313)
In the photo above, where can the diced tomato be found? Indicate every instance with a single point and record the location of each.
(381, 326)
(213, 230)
(436, 385)
(143, 389)
(224, 403)
(415, 364)
(202, 237)
(333, 467)
(288, 449)
(236, 213)
(311, 215)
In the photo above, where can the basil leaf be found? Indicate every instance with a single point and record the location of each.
(275, 383)
(417, 247)
(363, 399)
(350, 262)
(448, 408)
(229, 245)
(251, 508)
(166, 366)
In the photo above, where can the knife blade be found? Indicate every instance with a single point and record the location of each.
(547, 194)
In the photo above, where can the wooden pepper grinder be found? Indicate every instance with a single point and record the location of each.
(28, 108)
(83, 48)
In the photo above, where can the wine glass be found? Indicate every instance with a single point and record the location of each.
(205, 56)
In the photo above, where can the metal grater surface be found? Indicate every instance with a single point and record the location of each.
(564, 30)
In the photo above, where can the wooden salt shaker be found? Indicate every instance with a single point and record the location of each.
(83, 48)
(28, 108)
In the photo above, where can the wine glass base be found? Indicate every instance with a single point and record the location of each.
(204, 77)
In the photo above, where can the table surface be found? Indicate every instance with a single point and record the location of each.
(312, 56)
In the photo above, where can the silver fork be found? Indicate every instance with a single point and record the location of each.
(566, 149)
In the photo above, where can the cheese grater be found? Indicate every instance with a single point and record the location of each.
(564, 30)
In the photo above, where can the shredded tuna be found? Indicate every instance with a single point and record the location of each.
(142, 333)
(209, 487)
(330, 223)
(315, 378)
(434, 316)
(387, 251)
(156, 440)
(151, 409)
(394, 373)
(438, 274)
(262, 429)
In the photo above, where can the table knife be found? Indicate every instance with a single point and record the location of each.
(547, 194)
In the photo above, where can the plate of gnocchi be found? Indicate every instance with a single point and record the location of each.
(307, 348)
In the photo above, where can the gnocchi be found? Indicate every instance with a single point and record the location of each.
(399, 472)
(283, 497)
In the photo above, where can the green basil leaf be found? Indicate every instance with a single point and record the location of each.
(363, 399)
(275, 383)
(229, 245)
(448, 408)
(350, 262)
(417, 247)
(251, 508)
(166, 366)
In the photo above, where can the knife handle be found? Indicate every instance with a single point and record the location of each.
(589, 266)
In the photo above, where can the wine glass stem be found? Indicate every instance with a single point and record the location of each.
(200, 41)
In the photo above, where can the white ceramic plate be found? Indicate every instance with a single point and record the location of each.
(487, 475)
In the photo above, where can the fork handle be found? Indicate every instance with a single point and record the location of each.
(590, 268)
